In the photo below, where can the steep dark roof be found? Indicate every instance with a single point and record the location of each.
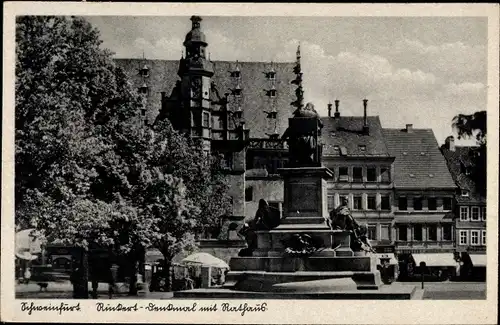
(345, 133)
(253, 82)
(419, 162)
(461, 156)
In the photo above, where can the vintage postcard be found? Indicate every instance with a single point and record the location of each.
(250, 163)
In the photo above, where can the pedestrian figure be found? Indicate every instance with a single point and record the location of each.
(112, 275)
(27, 275)
(76, 279)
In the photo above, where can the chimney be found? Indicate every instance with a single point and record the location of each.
(329, 109)
(450, 143)
(365, 117)
(337, 113)
(409, 128)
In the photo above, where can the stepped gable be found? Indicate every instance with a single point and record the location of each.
(347, 132)
(419, 163)
(457, 160)
(253, 83)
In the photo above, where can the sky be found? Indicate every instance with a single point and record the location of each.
(413, 70)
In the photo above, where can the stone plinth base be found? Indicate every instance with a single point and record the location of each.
(266, 281)
(270, 265)
(293, 264)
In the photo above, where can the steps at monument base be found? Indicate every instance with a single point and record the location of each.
(386, 292)
(267, 281)
(291, 264)
(301, 228)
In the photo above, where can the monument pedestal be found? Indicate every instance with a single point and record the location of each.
(306, 212)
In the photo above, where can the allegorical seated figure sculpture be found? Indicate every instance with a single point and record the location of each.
(342, 219)
(303, 138)
(266, 218)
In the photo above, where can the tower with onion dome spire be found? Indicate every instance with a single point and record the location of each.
(196, 71)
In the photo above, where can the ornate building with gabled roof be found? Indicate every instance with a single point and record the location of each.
(238, 109)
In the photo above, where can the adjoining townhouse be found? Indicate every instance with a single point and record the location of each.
(470, 210)
(355, 150)
(424, 192)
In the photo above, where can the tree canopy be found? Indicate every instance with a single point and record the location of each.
(474, 126)
(471, 125)
(88, 167)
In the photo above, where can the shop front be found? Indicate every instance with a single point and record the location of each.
(387, 263)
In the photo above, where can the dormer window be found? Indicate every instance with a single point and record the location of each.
(236, 91)
(271, 75)
(144, 71)
(271, 93)
(405, 153)
(465, 193)
(236, 74)
(272, 114)
(143, 89)
(336, 148)
(362, 147)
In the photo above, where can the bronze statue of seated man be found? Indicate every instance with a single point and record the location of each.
(266, 218)
(342, 219)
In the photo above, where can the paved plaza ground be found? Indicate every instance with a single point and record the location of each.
(432, 291)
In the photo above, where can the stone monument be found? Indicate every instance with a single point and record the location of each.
(305, 255)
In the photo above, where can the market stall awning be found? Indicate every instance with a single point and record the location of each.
(391, 256)
(422, 219)
(153, 255)
(28, 244)
(435, 259)
(479, 259)
(205, 259)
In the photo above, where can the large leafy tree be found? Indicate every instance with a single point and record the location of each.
(89, 170)
(474, 126)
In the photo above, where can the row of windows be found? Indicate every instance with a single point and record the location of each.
(270, 75)
(472, 214)
(472, 237)
(269, 92)
(362, 174)
(417, 232)
(418, 203)
(384, 234)
(357, 202)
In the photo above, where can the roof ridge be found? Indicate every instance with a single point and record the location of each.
(341, 116)
(217, 61)
(401, 129)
